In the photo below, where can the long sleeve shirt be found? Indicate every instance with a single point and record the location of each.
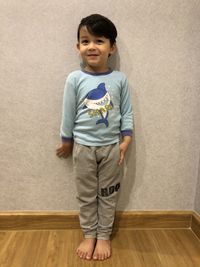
(96, 108)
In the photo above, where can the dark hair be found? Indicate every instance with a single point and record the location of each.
(100, 26)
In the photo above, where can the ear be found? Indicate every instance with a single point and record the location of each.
(113, 49)
(78, 46)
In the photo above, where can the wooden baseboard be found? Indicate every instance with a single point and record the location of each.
(126, 219)
(195, 224)
(38, 220)
(153, 219)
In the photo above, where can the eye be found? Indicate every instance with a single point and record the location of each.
(100, 41)
(84, 42)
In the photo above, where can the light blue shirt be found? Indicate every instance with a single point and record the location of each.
(96, 108)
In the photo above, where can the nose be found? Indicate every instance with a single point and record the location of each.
(91, 46)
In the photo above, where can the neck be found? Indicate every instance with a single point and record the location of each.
(96, 69)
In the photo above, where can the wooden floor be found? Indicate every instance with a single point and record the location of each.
(130, 248)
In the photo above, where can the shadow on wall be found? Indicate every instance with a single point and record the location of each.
(114, 61)
(129, 174)
(129, 170)
(197, 197)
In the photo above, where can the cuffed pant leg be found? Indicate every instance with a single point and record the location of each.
(109, 178)
(85, 168)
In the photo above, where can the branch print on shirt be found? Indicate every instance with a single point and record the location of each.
(99, 102)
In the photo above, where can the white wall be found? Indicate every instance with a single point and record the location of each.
(159, 48)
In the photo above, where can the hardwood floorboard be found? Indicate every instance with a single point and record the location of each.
(130, 248)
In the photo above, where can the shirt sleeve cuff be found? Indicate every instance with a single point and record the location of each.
(67, 139)
(127, 133)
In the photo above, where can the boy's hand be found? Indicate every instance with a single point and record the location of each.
(64, 150)
(123, 148)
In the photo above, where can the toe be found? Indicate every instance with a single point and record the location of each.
(95, 258)
(81, 255)
(78, 253)
(88, 257)
(99, 257)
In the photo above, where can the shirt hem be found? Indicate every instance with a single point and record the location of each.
(96, 143)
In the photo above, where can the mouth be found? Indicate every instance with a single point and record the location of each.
(103, 102)
(93, 55)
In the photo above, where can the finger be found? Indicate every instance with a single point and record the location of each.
(58, 149)
(59, 153)
(63, 154)
(120, 162)
(121, 159)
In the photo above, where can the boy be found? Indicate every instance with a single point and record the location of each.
(96, 111)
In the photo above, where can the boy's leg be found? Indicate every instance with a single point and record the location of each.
(86, 183)
(85, 168)
(109, 178)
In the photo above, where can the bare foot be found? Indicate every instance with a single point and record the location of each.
(102, 250)
(86, 248)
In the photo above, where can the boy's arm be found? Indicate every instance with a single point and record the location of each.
(126, 110)
(68, 118)
(126, 120)
(123, 148)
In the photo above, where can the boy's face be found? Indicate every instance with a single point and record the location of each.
(94, 51)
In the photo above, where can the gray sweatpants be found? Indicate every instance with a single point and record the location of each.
(98, 177)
